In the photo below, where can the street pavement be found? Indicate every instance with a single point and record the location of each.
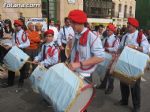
(13, 99)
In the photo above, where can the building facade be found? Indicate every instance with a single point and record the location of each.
(98, 11)
(121, 10)
(14, 9)
(98, 8)
(58, 9)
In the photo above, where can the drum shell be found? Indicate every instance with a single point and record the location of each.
(63, 89)
(15, 59)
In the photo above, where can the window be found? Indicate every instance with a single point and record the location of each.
(52, 8)
(119, 7)
(125, 11)
(97, 8)
(130, 11)
(113, 9)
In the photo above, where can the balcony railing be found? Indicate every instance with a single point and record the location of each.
(121, 15)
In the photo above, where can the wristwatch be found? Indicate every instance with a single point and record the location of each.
(81, 64)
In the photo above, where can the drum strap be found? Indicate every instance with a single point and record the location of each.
(15, 37)
(106, 44)
(76, 59)
(44, 49)
(64, 33)
(125, 40)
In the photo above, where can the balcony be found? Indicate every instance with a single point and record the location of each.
(121, 15)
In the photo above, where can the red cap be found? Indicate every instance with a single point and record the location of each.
(78, 16)
(49, 32)
(111, 27)
(18, 22)
(134, 22)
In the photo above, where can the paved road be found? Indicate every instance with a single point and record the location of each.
(26, 100)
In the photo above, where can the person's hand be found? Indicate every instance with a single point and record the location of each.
(41, 64)
(17, 45)
(62, 48)
(35, 61)
(132, 46)
(74, 66)
(7, 47)
(41, 41)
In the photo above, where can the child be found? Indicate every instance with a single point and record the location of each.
(49, 53)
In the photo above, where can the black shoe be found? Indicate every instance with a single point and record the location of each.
(122, 103)
(108, 91)
(136, 110)
(5, 85)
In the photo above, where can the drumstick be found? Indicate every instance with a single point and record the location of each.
(31, 62)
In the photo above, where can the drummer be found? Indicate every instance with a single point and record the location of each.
(49, 53)
(111, 44)
(87, 49)
(140, 43)
(20, 40)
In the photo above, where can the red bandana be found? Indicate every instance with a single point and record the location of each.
(83, 38)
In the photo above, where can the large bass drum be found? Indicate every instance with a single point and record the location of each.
(63, 88)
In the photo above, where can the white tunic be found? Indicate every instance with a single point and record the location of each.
(63, 37)
(21, 39)
(93, 48)
(113, 42)
(131, 39)
(49, 60)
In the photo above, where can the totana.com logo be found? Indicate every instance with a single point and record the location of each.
(19, 5)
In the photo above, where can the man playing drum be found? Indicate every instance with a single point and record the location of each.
(87, 50)
(49, 53)
(21, 40)
(111, 44)
(136, 40)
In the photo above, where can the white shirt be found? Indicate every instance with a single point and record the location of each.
(61, 36)
(48, 60)
(98, 34)
(131, 39)
(93, 48)
(113, 47)
(21, 39)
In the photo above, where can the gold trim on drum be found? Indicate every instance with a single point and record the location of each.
(125, 78)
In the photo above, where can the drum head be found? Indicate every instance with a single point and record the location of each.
(83, 100)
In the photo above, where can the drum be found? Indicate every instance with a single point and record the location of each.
(130, 65)
(37, 77)
(61, 87)
(15, 59)
(101, 69)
